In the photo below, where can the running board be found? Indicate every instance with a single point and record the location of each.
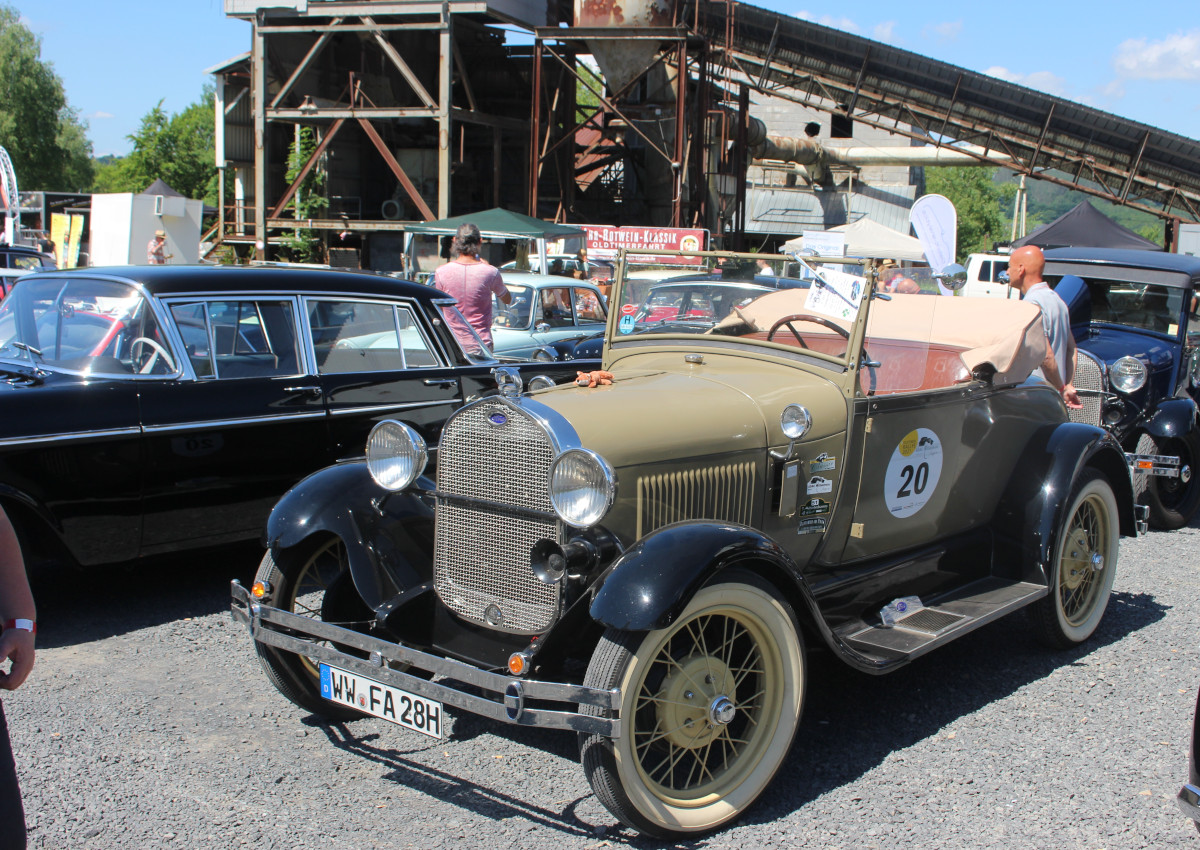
(944, 619)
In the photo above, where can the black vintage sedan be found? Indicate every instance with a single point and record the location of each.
(1138, 367)
(156, 409)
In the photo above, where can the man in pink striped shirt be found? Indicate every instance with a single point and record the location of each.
(471, 282)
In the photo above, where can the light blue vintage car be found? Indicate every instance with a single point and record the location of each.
(548, 314)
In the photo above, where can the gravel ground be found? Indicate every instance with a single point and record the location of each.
(147, 723)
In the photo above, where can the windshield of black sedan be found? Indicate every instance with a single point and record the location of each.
(77, 325)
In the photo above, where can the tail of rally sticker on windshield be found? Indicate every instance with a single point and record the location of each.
(913, 472)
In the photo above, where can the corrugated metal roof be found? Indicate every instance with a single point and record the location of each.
(789, 211)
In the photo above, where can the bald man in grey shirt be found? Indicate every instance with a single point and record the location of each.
(1025, 267)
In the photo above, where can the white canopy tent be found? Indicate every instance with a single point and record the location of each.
(870, 240)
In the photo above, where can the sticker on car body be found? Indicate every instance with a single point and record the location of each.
(818, 484)
(823, 463)
(814, 525)
(814, 507)
(913, 473)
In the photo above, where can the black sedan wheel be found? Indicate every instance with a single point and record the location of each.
(1174, 501)
(1085, 563)
(313, 581)
(709, 707)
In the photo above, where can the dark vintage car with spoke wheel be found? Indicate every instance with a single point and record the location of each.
(1134, 317)
(648, 557)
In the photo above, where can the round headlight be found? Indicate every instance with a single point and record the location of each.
(396, 454)
(795, 421)
(1127, 375)
(582, 487)
(541, 382)
(545, 355)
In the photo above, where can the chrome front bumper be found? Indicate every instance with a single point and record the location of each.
(1189, 801)
(505, 697)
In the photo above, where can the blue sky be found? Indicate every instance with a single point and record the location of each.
(1140, 61)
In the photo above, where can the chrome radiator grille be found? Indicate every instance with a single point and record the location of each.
(481, 556)
(1089, 380)
(722, 493)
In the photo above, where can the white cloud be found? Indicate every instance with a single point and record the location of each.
(945, 31)
(1176, 57)
(99, 115)
(844, 24)
(1041, 80)
(886, 32)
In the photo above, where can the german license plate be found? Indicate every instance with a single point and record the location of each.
(375, 698)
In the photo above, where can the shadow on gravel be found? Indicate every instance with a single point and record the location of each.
(487, 801)
(851, 723)
(81, 605)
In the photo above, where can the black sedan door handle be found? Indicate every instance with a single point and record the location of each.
(315, 392)
(441, 382)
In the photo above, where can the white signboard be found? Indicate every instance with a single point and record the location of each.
(827, 243)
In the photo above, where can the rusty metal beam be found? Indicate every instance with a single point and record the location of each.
(409, 188)
(399, 62)
(1137, 161)
(316, 48)
(308, 166)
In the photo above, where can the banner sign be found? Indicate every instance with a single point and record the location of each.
(827, 243)
(603, 242)
(935, 221)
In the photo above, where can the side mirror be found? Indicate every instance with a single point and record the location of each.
(953, 277)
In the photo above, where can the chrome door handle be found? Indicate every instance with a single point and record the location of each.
(315, 392)
(441, 382)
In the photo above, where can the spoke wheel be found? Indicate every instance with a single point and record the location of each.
(1085, 564)
(709, 707)
(1174, 501)
(313, 582)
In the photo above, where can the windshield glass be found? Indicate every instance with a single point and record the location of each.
(1145, 306)
(733, 300)
(79, 325)
(475, 349)
(516, 313)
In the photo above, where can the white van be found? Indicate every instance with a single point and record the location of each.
(983, 276)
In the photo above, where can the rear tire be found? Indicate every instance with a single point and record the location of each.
(1084, 565)
(709, 708)
(1174, 501)
(312, 581)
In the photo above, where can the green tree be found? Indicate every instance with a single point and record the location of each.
(44, 137)
(304, 245)
(980, 202)
(176, 148)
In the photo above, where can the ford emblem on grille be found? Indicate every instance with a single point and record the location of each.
(498, 419)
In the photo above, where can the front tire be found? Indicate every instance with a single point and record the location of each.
(1085, 563)
(709, 708)
(313, 581)
(1174, 501)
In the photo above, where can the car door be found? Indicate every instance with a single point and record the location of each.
(240, 422)
(567, 312)
(376, 360)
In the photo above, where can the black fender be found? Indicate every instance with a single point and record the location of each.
(1171, 419)
(388, 535)
(1031, 510)
(649, 585)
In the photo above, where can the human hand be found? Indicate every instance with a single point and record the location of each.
(16, 645)
(594, 379)
(1071, 397)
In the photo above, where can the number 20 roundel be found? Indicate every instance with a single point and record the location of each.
(913, 472)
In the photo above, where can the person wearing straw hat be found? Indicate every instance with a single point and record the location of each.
(156, 251)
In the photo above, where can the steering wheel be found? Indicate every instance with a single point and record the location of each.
(159, 351)
(786, 321)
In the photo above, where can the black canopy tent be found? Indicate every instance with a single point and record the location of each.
(1086, 227)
